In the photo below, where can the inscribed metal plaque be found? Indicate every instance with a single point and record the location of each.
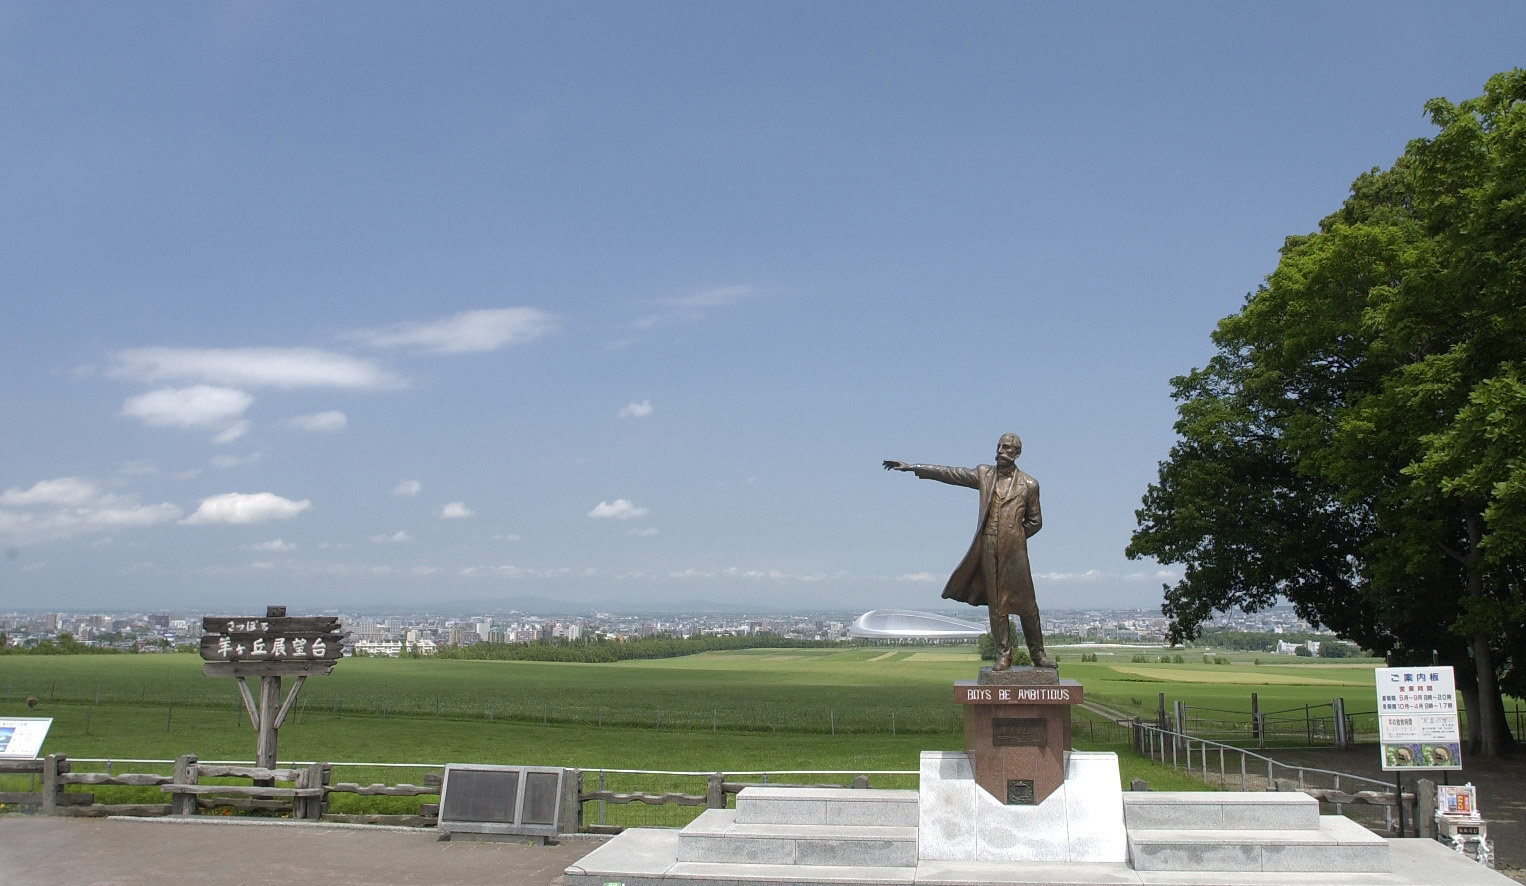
(478, 795)
(1019, 732)
(542, 794)
(1020, 792)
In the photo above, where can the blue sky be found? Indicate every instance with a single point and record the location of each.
(621, 304)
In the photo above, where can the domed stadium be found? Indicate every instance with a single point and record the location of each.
(906, 624)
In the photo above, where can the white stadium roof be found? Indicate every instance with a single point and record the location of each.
(906, 624)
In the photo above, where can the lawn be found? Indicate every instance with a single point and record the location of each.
(852, 710)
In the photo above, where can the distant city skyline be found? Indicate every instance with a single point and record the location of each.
(350, 305)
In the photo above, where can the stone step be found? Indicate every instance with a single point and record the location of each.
(1220, 810)
(717, 836)
(1337, 845)
(827, 806)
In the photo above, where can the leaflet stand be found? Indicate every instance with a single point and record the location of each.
(1459, 824)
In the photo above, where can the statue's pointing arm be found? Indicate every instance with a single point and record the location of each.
(941, 473)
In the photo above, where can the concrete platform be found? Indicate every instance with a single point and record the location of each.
(647, 857)
(719, 836)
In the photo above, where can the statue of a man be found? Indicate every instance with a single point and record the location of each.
(994, 572)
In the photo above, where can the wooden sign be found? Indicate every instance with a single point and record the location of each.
(270, 648)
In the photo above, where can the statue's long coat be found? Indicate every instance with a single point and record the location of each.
(968, 583)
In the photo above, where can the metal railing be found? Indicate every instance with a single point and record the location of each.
(1215, 762)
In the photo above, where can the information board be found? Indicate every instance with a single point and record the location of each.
(21, 737)
(1417, 719)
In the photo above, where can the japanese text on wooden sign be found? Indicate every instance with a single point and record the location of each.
(271, 639)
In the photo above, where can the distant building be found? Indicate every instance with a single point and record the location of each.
(905, 624)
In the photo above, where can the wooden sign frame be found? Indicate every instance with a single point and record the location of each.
(269, 648)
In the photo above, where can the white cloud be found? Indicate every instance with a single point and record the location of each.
(712, 298)
(397, 537)
(463, 333)
(198, 406)
(231, 433)
(456, 510)
(242, 508)
(274, 544)
(646, 532)
(68, 506)
(407, 488)
(622, 509)
(637, 410)
(63, 491)
(332, 420)
(1090, 575)
(225, 462)
(917, 576)
(692, 308)
(253, 367)
(506, 536)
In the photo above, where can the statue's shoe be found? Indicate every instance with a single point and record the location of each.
(1044, 661)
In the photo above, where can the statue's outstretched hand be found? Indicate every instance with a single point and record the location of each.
(893, 465)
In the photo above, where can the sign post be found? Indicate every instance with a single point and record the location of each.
(269, 648)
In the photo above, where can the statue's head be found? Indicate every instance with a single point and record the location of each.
(1008, 448)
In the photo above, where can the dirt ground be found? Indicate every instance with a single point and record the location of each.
(1501, 792)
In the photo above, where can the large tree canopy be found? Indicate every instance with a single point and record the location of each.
(1357, 445)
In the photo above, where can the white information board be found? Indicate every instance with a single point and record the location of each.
(21, 737)
(1417, 719)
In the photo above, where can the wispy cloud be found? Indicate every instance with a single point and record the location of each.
(407, 488)
(397, 537)
(253, 367)
(621, 509)
(693, 307)
(645, 532)
(637, 410)
(320, 422)
(240, 508)
(197, 406)
(226, 462)
(456, 510)
(463, 333)
(61, 508)
(274, 544)
(231, 432)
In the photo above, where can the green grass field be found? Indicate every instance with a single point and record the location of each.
(853, 710)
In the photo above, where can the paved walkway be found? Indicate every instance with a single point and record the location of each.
(225, 852)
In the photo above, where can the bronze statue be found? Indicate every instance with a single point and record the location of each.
(994, 571)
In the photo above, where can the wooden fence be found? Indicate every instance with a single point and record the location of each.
(301, 792)
(304, 791)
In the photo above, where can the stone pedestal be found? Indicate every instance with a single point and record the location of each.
(1017, 731)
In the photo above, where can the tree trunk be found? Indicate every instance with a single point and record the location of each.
(1493, 734)
(1467, 687)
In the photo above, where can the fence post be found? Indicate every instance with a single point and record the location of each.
(185, 773)
(571, 804)
(1425, 808)
(715, 791)
(315, 776)
(1338, 712)
(1160, 712)
(1255, 720)
(51, 764)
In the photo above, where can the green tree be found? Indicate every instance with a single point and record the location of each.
(1355, 446)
